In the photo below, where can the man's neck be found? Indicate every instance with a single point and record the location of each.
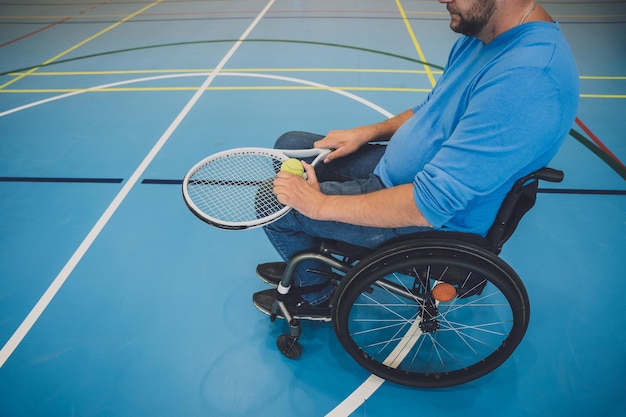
(507, 20)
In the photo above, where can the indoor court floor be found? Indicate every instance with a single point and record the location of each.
(115, 300)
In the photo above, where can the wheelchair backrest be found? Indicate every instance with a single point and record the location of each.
(516, 204)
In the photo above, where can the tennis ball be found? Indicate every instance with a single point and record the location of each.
(292, 166)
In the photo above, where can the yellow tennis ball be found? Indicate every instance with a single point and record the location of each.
(292, 166)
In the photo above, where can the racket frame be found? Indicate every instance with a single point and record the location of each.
(279, 154)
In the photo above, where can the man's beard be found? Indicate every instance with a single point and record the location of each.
(473, 21)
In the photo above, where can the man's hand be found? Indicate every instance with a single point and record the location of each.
(344, 142)
(303, 195)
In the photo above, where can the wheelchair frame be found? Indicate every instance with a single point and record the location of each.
(429, 310)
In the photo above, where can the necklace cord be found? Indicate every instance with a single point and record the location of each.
(532, 9)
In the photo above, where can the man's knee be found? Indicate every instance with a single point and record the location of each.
(296, 140)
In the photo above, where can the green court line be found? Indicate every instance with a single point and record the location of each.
(83, 42)
(227, 70)
(613, 164)
(165, 45)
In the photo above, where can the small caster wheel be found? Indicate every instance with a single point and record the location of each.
(289, 346)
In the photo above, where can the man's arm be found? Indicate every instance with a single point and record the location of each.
(391, 207)
(345, 142)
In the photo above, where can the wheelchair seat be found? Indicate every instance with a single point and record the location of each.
(430, 309)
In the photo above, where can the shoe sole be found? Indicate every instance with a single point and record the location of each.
(299, 317)
(267, 281)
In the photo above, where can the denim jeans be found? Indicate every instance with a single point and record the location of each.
(295, 233)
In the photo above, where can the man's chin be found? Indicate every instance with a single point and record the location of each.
(455, 21)
(455, 27)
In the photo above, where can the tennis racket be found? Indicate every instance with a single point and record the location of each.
(233, 189)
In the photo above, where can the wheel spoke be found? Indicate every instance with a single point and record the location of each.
(397, 330)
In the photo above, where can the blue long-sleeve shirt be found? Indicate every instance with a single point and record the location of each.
(498, 112)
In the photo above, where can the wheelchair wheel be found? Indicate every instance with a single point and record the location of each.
(431, 312)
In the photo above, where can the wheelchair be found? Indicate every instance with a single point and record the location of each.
(429, 310)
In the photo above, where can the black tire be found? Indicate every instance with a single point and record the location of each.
(289, 346)
(385, 302)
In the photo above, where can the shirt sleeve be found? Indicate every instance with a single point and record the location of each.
(512, 119)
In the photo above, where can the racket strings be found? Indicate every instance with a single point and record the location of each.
(237, 188)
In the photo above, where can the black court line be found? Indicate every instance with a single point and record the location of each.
(63, 180)
(162, 182)
(156, 181)
(540, 190)
(580, 191)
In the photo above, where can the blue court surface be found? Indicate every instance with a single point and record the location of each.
(115, 300)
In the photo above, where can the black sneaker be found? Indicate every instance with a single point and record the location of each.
(298, 308)
(271, 272)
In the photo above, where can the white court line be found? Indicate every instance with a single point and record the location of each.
(58, 282)
(357, 398)
(370, 385)
(202, 74)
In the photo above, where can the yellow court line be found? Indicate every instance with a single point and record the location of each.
(590, 16)
(555, 16)
(213, 88)
(254, 70)
(67, 51)
(603, 77)
(251, 88)
(55, 17)
(603, 96)
(429, 73)
(207, 70)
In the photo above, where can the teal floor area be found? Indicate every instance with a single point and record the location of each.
(115, 300)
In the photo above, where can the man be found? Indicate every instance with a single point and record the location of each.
(501, 109)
